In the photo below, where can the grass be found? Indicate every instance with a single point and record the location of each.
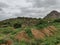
(28, 31)
(54, 40)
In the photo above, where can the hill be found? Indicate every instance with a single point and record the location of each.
(53, 15)
(24, 21)
(30, 31)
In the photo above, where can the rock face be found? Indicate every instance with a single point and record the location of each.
(54, 14)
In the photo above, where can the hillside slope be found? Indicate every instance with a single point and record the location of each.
(30, 31)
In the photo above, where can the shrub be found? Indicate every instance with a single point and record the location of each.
(28, 31)
(6, 24)
(51, 41)
(6, 30)
(42, 24)
(57, 20)
(17, 25)
(21, 43)
(2, 41)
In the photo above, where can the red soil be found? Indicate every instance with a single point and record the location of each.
(53, 28)
(22, 35)
(9, 42)
(52, 31)
(47, 32)
(37, 34)
(41, 34)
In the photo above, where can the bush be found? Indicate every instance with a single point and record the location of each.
(51, 41)
(42, 24)
(2, 41)
(28, 31)
(17, 25)
(6, 30)
(57, 20)
(21, 43)
(7, 24)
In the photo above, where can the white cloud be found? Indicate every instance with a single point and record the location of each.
(19, 3)
(28, 8)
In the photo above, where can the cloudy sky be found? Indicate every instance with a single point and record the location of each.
(27, 8)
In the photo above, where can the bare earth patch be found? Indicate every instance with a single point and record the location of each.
(37, 34)
(22, 35)
(41, 34)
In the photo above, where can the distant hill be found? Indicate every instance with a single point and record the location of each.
(53, 15)
(24, 21)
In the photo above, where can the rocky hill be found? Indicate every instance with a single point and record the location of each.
(53, 15)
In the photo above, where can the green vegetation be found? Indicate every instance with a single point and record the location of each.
(17, 25)
(10, 28)
(28, 31)
(57, 20)
(2, 41)
(42, 24)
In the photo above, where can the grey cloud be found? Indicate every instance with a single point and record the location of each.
(40, 8)
(3, 14)
(30, 12)
(1, 9)
(44, 3)
(50, 2)
(3, 5)
(48, 6)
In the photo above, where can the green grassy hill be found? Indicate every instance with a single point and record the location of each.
(29, 31)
